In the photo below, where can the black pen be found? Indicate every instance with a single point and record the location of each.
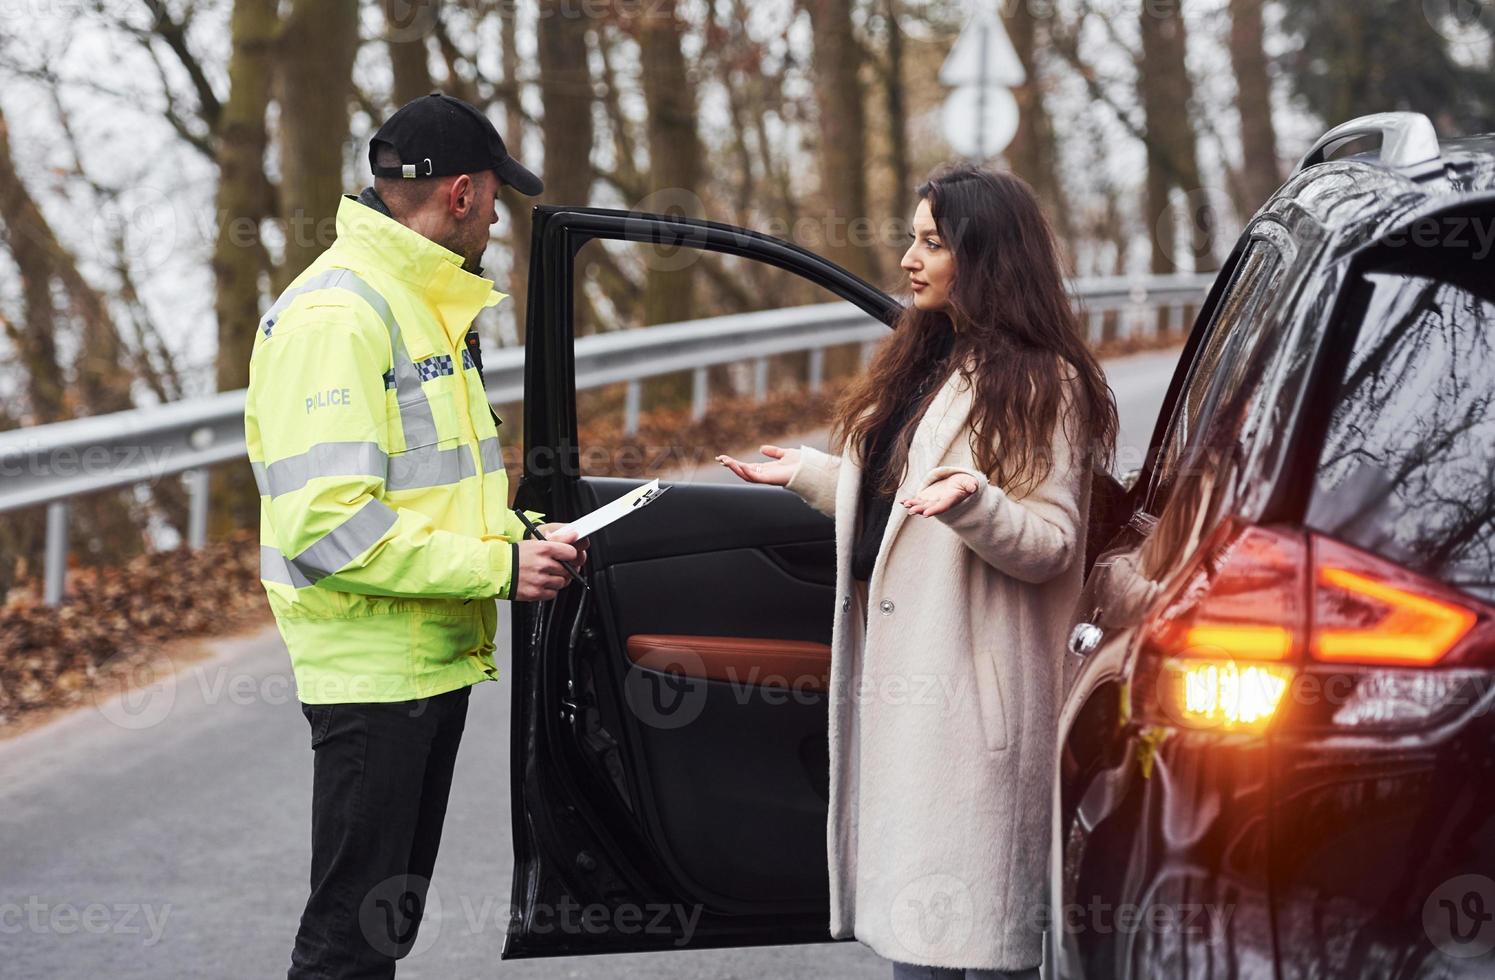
(536, 532)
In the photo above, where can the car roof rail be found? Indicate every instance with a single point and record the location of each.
(1408, 142)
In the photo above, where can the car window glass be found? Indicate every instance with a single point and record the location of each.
(1269, 422)
(706, 305)
(1405, 469)
(1231, 356)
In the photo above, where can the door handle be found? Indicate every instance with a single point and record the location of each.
(1084, 638)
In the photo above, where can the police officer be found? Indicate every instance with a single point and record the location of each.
(385, 528)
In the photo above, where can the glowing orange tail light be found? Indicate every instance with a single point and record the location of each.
(1371, 612)
(1259, 602)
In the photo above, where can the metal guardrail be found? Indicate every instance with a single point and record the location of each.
(50, 464)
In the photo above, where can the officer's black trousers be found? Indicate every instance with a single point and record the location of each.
(381, 777)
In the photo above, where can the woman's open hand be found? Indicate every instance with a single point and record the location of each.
(775, 473)
(941, 496)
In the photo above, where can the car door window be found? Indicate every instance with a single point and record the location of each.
(1231, 363)
(730, 324)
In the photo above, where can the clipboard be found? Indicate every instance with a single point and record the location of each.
(631, 502)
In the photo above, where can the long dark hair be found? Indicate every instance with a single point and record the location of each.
(1010, 312)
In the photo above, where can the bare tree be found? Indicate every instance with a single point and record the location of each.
(517, 205)
(566, 91)
(1033, 154)
(245, 199)
(893, 93)
(1261, 173)
(315, 77)
(843, 133)
(675, 154)
(409, 51)
(1166, 93)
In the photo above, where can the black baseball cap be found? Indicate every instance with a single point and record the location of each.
(437, 135)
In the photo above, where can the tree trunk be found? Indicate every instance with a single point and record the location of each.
(1033, 155)
(675, 159)
(903, 185)
(517, 205)
(836, 65)
(244, 200)
(566, 130)
(408, 53)
(315, 63)
(1261, 173)
(566, 93)
(1172, 159)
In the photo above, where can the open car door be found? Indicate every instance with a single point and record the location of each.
(668, 754)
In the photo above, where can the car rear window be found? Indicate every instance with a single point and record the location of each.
(1407, 468)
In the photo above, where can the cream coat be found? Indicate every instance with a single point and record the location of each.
(943, 710)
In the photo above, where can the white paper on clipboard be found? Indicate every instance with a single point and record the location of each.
(631, 502)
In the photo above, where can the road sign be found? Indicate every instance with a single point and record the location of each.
(979, 122)
(980, 115)
(983, 55)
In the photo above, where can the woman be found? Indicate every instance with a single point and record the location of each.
(960, 503)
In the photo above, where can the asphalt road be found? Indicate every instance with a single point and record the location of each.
(165, 833)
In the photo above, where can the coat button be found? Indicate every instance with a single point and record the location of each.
(886, 606)
(845, 603)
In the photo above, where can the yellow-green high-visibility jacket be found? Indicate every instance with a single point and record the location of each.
(385, 531)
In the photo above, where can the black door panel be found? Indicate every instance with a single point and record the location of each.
(734, 771)
(704, 795)
(740, 592)
(755, 841)
(720, 517)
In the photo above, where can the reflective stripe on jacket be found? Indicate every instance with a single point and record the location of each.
(385, 531)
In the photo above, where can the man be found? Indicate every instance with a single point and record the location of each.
(385, 530)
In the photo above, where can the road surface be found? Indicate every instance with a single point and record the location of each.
(166, 834)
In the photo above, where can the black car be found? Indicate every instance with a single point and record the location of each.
(1277, 758)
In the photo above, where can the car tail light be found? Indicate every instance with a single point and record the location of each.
(1368, 611)
(1281, 627)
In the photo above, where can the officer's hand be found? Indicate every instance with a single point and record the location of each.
(541, 576)
(552, 532)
